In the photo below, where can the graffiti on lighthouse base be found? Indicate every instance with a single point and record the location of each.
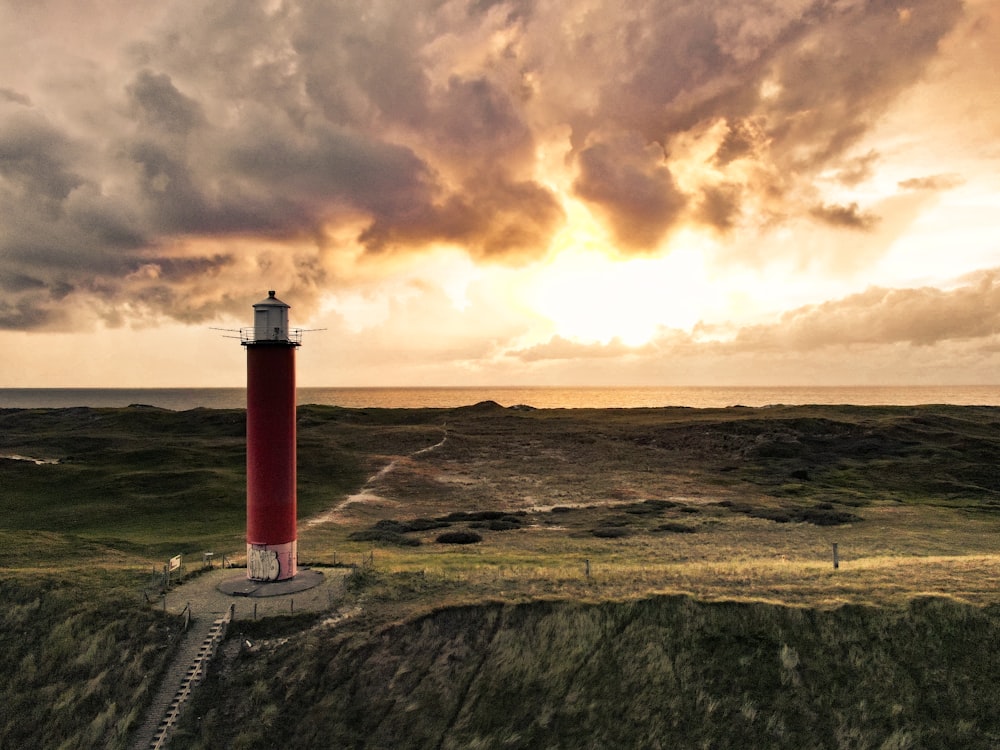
(272, 562)
(262, 564)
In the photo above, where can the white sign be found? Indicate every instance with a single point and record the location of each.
(175, 563)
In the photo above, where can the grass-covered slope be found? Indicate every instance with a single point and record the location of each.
(665, 672)
(80, 659)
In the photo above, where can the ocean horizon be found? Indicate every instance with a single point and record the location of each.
(542, 397)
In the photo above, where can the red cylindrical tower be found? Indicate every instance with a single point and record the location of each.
(271, 489)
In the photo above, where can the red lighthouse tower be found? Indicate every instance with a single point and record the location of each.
(271, 494)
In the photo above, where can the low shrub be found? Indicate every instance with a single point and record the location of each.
(501, 525)
(475, 515)
(362, 577)
(676, 528)
(610, 532)
(383, 535)
(827, 517)
(504, 524)
(770, 514)
(426, 524)
(649, 507)
(458, 537)
(820, 515)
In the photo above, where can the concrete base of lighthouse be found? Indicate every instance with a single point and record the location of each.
(304, 580)
(272, 562)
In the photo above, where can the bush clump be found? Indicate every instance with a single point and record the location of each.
(426, 524)
(825, 517)
(502, 524)
(475, 515)
(648, 507)
(822, 514)
(610, 532)
(383, 535)
(676, 528)
(458, 537)
(391, 531)
(405, 527)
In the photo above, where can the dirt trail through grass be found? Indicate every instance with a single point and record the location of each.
(366, 494)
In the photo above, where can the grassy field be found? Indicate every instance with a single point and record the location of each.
(635, 524)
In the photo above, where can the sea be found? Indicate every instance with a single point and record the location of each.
(541, 397)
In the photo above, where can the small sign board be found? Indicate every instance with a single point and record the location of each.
(175, 563)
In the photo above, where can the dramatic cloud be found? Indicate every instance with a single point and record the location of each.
(161, 135)
(512, 190)
(919, 317)
(634, 187)
(879, 334)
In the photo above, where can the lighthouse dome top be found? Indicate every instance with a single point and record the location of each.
(271, 301)
(270, 324)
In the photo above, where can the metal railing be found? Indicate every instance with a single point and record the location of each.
(249, 336)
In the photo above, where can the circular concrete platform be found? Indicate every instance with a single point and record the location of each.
(304, 580)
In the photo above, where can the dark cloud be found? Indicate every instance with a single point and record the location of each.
(632, 184)
(325, 168)
(493, 217)
(720, 206)
(476, 122)
(858, 169)
(846, 217)
(36, 159)
(14, 96)
(797, 84)
(839, 69)
(161, 106)
(744, 138)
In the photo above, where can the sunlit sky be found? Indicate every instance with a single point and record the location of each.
(474, 192)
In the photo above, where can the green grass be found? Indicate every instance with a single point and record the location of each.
(713, 601)
(656, 672)
(81, 659)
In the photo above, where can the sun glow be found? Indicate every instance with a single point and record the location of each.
(591, 297)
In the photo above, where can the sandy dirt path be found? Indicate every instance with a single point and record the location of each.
(367, 492)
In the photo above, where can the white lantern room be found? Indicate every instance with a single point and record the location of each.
(270, 320)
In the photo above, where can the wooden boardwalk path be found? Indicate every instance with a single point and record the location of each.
(187, 669)
(209, 607)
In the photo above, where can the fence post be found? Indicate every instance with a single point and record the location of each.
(836, 558)
(586, 567)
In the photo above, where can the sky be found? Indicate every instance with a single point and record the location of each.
(520, 192)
